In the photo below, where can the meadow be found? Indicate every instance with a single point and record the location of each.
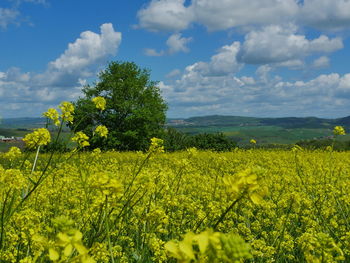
(190, 206)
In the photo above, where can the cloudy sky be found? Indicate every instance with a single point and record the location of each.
(266, 58)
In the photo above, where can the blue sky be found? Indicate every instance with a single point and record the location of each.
(264, 58)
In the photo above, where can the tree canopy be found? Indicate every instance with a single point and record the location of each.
(135, 110)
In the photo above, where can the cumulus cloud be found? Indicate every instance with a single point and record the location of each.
(323, 96)
(79, 60)
(174, 15)
(165, 15)
(275, 44)
(171, 74)
(22, 96)
(89, 49)
(326, 14)
(177, 43)
(201, 79)
(222, 14)
(205, 88)
(222, 63)
(63, 78)
(321, 62)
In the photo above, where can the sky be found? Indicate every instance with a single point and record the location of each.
(259, 58)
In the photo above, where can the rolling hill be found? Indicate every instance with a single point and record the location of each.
(285, 130)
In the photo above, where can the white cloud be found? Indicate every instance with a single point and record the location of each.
(174, 15)
(326, 14)
(171, 74)
(201, 90)
(223, 14)
(165, 15)
(321, 62)
(89, 49)
(7, 16)
(224, 62)
(64, 77)
(275, 44)
(177, 43)
(323, 96)
(153, 53)
(291, 64)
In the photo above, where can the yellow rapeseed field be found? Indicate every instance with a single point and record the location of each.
(191, 206)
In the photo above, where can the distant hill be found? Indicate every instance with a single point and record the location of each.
(238, 121)
(344, 121)
(287, 130)
(23, 123)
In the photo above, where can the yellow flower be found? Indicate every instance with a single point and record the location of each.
(53, 115)
(252, 141)
(100, 103)
(156, 145)
(13, 153)
(67, 109)
(81, 139)
(245, 181)
(39, 137)
(338, 130)
(101, 130)
(68, 243)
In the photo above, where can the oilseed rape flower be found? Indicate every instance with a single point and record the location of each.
(68, 242)
(39, 137)
(13, 153)
(156, 145)
(100, 103)
(252, 141)
(243, 182)
(81, 139)
(209, 246)
(338, 130)
(53, 115)
(102, 131)
(67, 109)
(127, 207)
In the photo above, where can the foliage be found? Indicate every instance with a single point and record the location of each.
(134, 110)
(324, 143)
(59, 146)
(209, 141)
(176, 140)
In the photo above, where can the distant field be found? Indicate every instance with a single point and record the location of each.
(240, 129)
(21, 132)
(263, 134)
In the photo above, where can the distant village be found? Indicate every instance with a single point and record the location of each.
(10, 139)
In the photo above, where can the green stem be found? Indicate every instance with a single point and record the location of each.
(36, 159)
(3, 219)
(222, 217)
(108, 234)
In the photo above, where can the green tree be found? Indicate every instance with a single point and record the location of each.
(135, 110)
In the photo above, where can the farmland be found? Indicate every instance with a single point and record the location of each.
(190, 206)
